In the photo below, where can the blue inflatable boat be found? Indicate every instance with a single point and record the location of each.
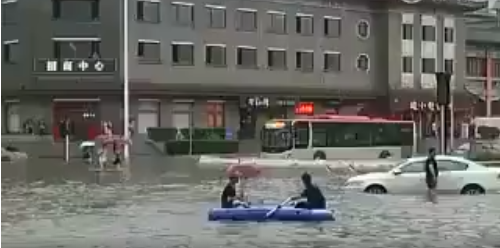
(258, 213)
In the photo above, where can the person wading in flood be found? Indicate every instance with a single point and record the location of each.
(431, 175)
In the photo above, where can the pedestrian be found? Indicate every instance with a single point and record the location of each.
(431, 175)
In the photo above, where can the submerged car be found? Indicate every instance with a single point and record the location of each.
(457, 175)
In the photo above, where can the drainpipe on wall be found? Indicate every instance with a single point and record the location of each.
(489, 83)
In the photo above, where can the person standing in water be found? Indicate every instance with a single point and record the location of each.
(431, 175)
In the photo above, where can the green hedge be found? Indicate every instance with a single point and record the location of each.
(181, 147)
(169, 134)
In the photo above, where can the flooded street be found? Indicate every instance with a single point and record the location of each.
(51, 204)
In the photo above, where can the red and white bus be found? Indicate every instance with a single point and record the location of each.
(338, 137)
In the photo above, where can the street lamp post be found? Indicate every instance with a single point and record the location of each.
(125, 58)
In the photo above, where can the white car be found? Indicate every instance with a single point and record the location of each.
(456, 175)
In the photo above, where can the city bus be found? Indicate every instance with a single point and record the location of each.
(326, 137)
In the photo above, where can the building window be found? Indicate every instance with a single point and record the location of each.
(216, 16)
(149, 49)
(183, 14)
(277, 22)
(246, 57)
(496, 68)
(407, 31)
(304, 61)
(148, 11)
(246, 20)
(428, 65)
(11, 51)
(449, 35)
(476, 67)
(183, 53)
(12, 120)
(182, 117)
(276, 58)
(428, 33)
(363, 29)
(332, 26)
(304, 24)
(215, 55)
(407, 64)
(215, 114)
(78, 48)
(449, 65)
(76, 10)
(332, 61)
(9, 12)
(363, 62)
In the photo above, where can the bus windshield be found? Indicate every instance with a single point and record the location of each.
(276, 137)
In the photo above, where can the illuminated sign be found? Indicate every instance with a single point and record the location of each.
(304, 108)
(275, 125)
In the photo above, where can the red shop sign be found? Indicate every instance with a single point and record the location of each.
(304, 108)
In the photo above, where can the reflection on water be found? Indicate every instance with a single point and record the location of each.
(165, 206)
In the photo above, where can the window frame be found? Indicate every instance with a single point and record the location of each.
(94, 15)
(368, 62)
(141, 45)
(271, 27)
(239, 57)
(424, 68)
(207, 52)
(404, 64)
(140, 14)
(175, 11)
(8, 46)
(325, 59)
(299, 61)
(239, 20)
(327, 21)
(424, 36)
(368, 29)
(299, 18)
(177, 45)
(405, 32)
(211, 10)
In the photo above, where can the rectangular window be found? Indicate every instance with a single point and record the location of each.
(183, 13)
(304, 61)
(407, 64)
(449, 65)
(428, 33)
(246, 20)
(183, 53)
(277, 22)
(76, 10)
(496, 68)
(11, 51)
(407, 31)
(428, 65)
(149, 49)
(216, 16)
(78, 48)
(148, 11)
(215, 55)
(332, 61)
(476, 67)
(449, 35)
(332, 26)
(9, 12)
(246, 57)
(215, 114)
(276, 58)
(304, 24)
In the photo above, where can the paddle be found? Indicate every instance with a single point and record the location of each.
(272, 211)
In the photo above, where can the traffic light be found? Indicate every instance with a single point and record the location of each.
(443, 88)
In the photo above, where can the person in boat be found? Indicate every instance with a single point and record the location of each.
(312, 195)
(229, 198)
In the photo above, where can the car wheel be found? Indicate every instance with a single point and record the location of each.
(375, 189)
(472, 189)
(319, 155)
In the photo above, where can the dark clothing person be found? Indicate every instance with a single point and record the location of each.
(314, 196)
(431, 172)
(228, 195)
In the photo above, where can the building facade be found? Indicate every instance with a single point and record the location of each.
(483, 58)
(226, 63)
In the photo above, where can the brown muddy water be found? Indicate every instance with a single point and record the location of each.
(46, 203)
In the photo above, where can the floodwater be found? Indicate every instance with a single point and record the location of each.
(51, 204)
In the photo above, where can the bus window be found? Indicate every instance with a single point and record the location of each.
(301, 134)
(321, 132)
(353, 134)
(395, 134)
